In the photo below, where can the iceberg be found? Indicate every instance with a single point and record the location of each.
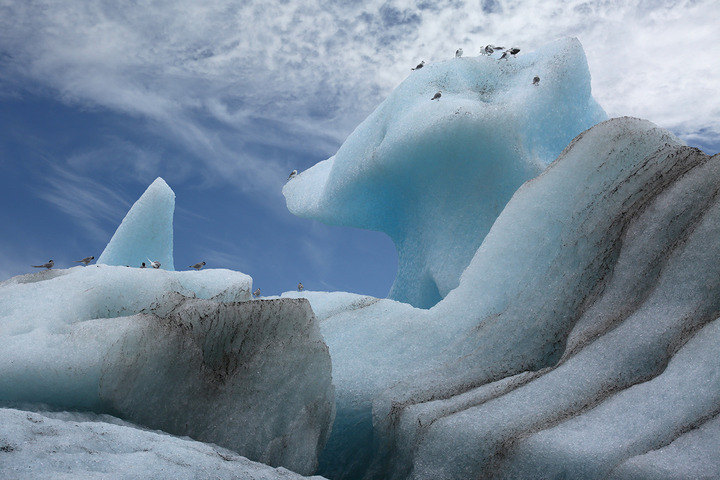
(577, 344)
(146, 232)
(189, 353)
(80, 445)
(434, 174)
(185, 352)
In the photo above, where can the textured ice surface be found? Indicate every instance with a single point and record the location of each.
(434, 175)
(70, 446)
(252, 376)
(581, 341)
(146, 232)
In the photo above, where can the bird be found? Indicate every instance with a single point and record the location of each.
(256, 293)
(85, 260)
(47, 265)
(490, 49)
(301, 287)
(154, 263)
(536, 80)
(142, 265)
(293, 174)
(419, 66)
(197, 266)
(436, 96)
(511, 51)
(458, 53)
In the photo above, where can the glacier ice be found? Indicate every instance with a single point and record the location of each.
(577, 344)
(434, 175)
(64, 445)
(146, 232)
(185, 352)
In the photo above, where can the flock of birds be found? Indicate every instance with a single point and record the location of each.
(488, 50)
(86, 261)
(153, 263)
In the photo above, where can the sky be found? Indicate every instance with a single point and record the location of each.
(224, 98)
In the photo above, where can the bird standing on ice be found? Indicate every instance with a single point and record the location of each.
(458, 53)
(419, 66)
(142, 265)
(85, 260)
(510, 51)
(154, 263)
(436, 96)
(293, 174)
(300, 287)
(47, 265)
(256, 293)
(536, 80)
(197, 266)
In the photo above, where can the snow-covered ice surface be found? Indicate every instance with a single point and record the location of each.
(581, 342)
(146, 232)
(434, 175)
(185, 352)
(71, 446)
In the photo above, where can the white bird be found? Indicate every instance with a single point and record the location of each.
(256, 292)
(85, 260)
(458, 53)
(154, 263)
(300, 287)
(197, 266)
(293, 174)
(47, 265)
(419, 66)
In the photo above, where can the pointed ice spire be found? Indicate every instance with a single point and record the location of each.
(146, 231)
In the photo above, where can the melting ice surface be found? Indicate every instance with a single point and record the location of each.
(434, 174)
(581, 342)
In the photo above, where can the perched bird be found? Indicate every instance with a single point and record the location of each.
(458, 53)
(293, 174)
(511, 51)
(154, 263)
(301, 287)
(47, 265)
(436, 96)
(490, 49)
(536, 80)
(142, 265)
(85, 260)
(256, 293)
(197, 266)
(419, 65)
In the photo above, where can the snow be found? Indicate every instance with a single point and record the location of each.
(185, 352)
(146, 232)
(596, 277)
(434, 175)
(72, 445)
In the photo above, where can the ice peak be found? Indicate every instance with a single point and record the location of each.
(146, 231)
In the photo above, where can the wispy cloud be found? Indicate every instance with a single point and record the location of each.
(87, 202)
(244, 85)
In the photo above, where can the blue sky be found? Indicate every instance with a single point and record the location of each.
(225, 98)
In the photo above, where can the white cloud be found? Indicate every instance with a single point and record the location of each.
(241, 83)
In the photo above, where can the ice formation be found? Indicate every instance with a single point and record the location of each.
(55, 445)
(580, 343)
(434, 175)
(185, 352)
(146, 232)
